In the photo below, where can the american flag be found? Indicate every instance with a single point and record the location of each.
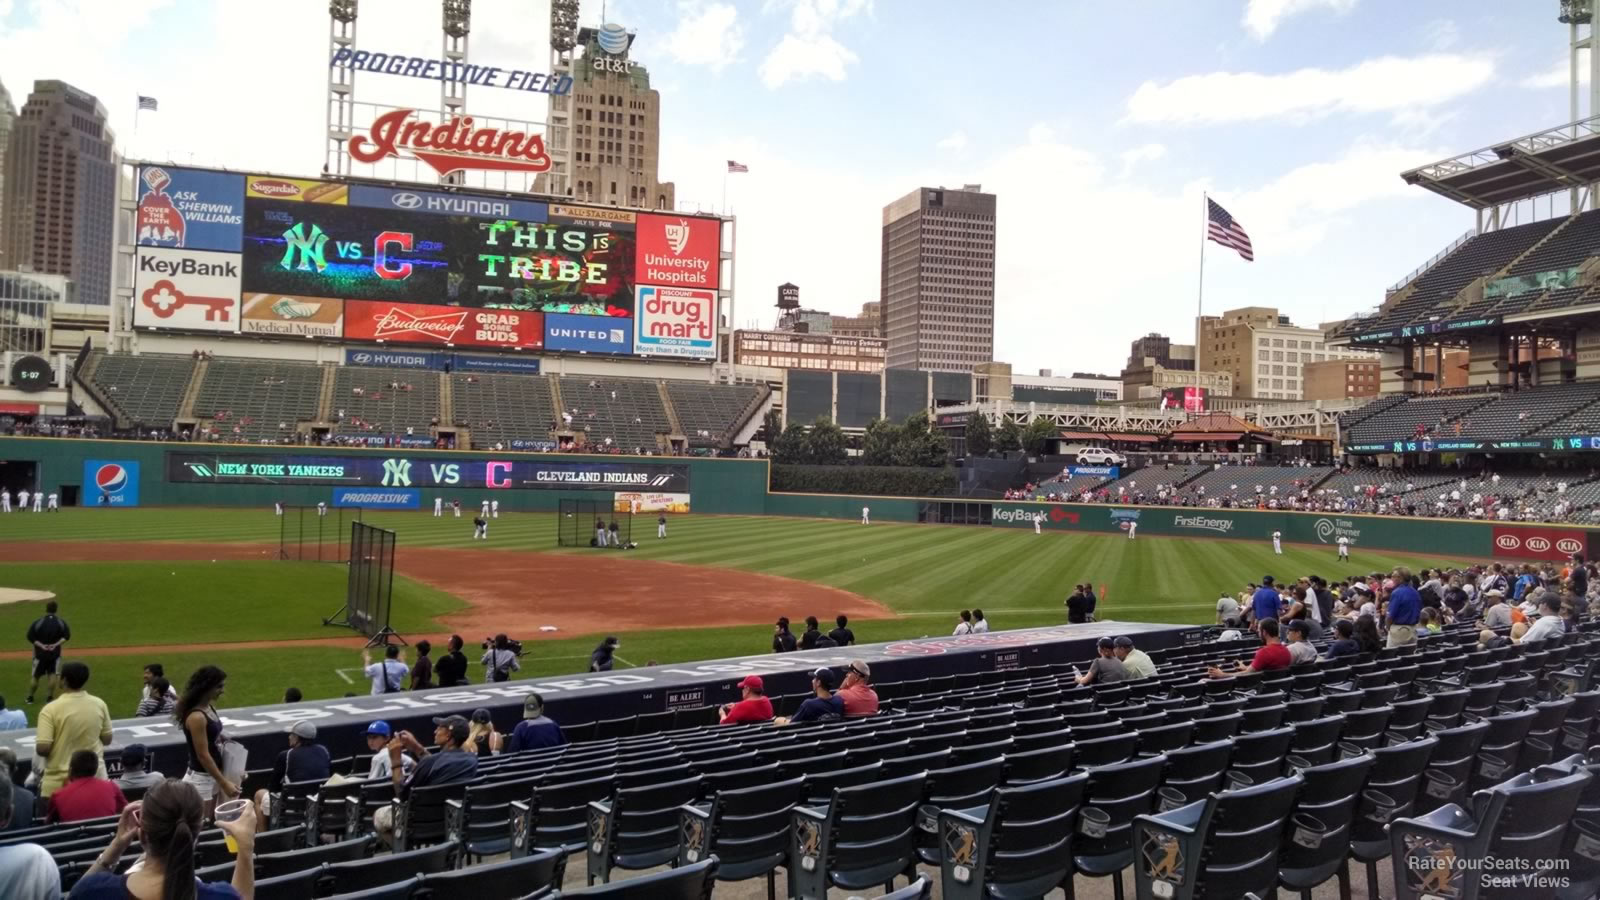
(737, 167)
(147, 103)
(1221, 227)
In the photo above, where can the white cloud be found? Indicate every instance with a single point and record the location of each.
(708, 34)
(1441, 34)
(1378, 85)
(808, 49)
(956, 140)
(1140, 154)
(1262, 17)
(1557, 76)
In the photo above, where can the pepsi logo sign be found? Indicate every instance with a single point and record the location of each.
(111, 478)
(1569, 545)
(274, 188)
(1508, 542)
(1537, 544)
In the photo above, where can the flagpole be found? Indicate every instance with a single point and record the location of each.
(1200, 297)
(724, 209)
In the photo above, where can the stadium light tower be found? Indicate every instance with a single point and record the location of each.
(340, 114)
(563, 38)
(453, 91)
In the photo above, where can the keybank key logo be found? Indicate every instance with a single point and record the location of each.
(396, 473)
(310, 248)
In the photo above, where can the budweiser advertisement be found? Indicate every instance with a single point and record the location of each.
(287, 315)
(1537, 543)
(451, 146)
(196, 290)
(675, 321)
(440, 326)
(681, 251)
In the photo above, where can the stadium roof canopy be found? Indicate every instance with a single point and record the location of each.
(1530, 166)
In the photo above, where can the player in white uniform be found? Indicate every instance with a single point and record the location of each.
(456, 506)
(5, 500)
(1132, 527)
(1344, 547)
(661, 525)
(484, 509)
(1038, 523)
(494, 509)
(866, 515)
(22, 500)
(1277, 542)
(277, 507)
(480, 528)
(322, 508)
(38, 501)
(52, 505)
(438, 507)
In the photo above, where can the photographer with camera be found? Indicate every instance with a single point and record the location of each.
(500, 658)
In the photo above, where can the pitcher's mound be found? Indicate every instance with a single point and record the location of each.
(20, 595)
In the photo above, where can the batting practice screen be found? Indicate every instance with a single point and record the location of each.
(370, 588)
(576, 522)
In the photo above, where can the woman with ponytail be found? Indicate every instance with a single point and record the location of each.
(196, 714)
(165, 824)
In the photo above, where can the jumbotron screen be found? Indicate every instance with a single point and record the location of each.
(1188, 399)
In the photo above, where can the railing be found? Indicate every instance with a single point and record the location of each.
(1399, 285)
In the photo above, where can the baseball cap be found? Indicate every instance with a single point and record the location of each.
(135, 754)
(532, 706)
(753, 682)
(380, 728)
(1300, 626)
(1124, 641)
(1266, 579)
(825, 677)
(302, 729)
(1105, 643)
(860, 668)
(458, 725)
(481, 716)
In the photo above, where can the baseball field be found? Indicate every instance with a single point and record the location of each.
(190, 586)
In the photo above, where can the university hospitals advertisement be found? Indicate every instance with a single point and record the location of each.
(110, 482)
(679, 250)
(189, 208)
(192, 289)
(649, 502)
(587, 334)
(674, 321)
(286, 315)
(415, 323)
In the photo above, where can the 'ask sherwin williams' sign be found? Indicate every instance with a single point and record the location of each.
(430, 471)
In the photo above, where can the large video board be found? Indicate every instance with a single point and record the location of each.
(309, 258)
(406, 471)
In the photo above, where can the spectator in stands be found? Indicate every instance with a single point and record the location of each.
(1272, 655)
(87, 794)
(753, 705)
(1227, 608)
(980, 625)
(1488, 640)
(27, 871)
(1344, 640)
(160, 699)
(1549, 623)
(1405, 609)
(808, 639)
(1088, 595)
(378, 735)
(1078, 606)
(292, 695)
(825, 705)
(856, 694)
(202, 731)
(1301, 652)
(77, 720)
(782, 639)
(136, 775)
(1266, 603)
(841, 634)
(604, 656)
(151, 673)
(304, 760)
(500, 660)
(1232, 630)
(536, 731)
(482, 738)
(1579, 576)
(1496, 613)
(1366, 633)
(1429, 621)
(389, 675)
(23, 802)
(452, 667)
(166, 824)
(11, 719)
(1136, 661)
(451, 765)
(1106, 669)
(964, 625)
(422, 670)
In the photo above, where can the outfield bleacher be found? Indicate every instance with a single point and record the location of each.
(384, 402)
(1241, 481)
(1435, 412)
(616, 412)
(502, 409)
(145, 389)
(250, 399)
(710, 412)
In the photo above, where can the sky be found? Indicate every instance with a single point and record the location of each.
(1098, 130)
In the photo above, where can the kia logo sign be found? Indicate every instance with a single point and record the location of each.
(1507, 542)
(406, 201)
(1569, 545)
(1538, 544)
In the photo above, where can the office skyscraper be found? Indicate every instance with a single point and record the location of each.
(8, 114)
(60, 194)
(937, 288)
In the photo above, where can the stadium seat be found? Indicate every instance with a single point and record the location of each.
(480, 820)
(637, 828)
(1115, 794)
(747, 830)
(1044, 764)
(1194, 771)
(422, 818)
(562, 819)
(527, 876)
(269, 865)
(1223, 846)
(1392, 788)
(1317, 841)
(400, 890)
(861, 839)
(293, 884)
(1017, 845)
(1259, 756)
(693, 882)
(379, 871)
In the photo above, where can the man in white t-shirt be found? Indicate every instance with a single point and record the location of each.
(388, 676)
(965, 625)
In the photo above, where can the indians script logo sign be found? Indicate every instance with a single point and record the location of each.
(452, 146)
(677, 236)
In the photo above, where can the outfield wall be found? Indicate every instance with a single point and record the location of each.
(181, 474)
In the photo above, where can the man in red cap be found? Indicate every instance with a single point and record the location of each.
(755, 707)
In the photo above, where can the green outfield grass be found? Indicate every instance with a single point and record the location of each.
(923, 573)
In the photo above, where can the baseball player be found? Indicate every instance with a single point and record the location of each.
(599, 532)
(484, 511)
(438, 507)
(1277, 542)
(5, 500)
(22, 500)
(480, 528)
(51, 505)
(277, 507)
(456, 505)
(661, 526)
(633, 506)
(1344, 547)
(866, 515)
(38, 501)
(322, 509)
(1132, 527)
(494, 509)
(1038, 523)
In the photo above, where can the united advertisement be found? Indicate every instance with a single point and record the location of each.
(196, 290)
(430, 471)
(190, 209)
(587, 334)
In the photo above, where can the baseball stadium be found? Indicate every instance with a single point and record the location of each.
(690, 610)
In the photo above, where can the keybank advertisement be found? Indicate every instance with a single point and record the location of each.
(402, 471)
(110, 482)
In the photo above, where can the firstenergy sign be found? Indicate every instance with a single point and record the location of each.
(1202, 523)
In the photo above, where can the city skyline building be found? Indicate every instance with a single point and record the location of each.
(937, 287)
